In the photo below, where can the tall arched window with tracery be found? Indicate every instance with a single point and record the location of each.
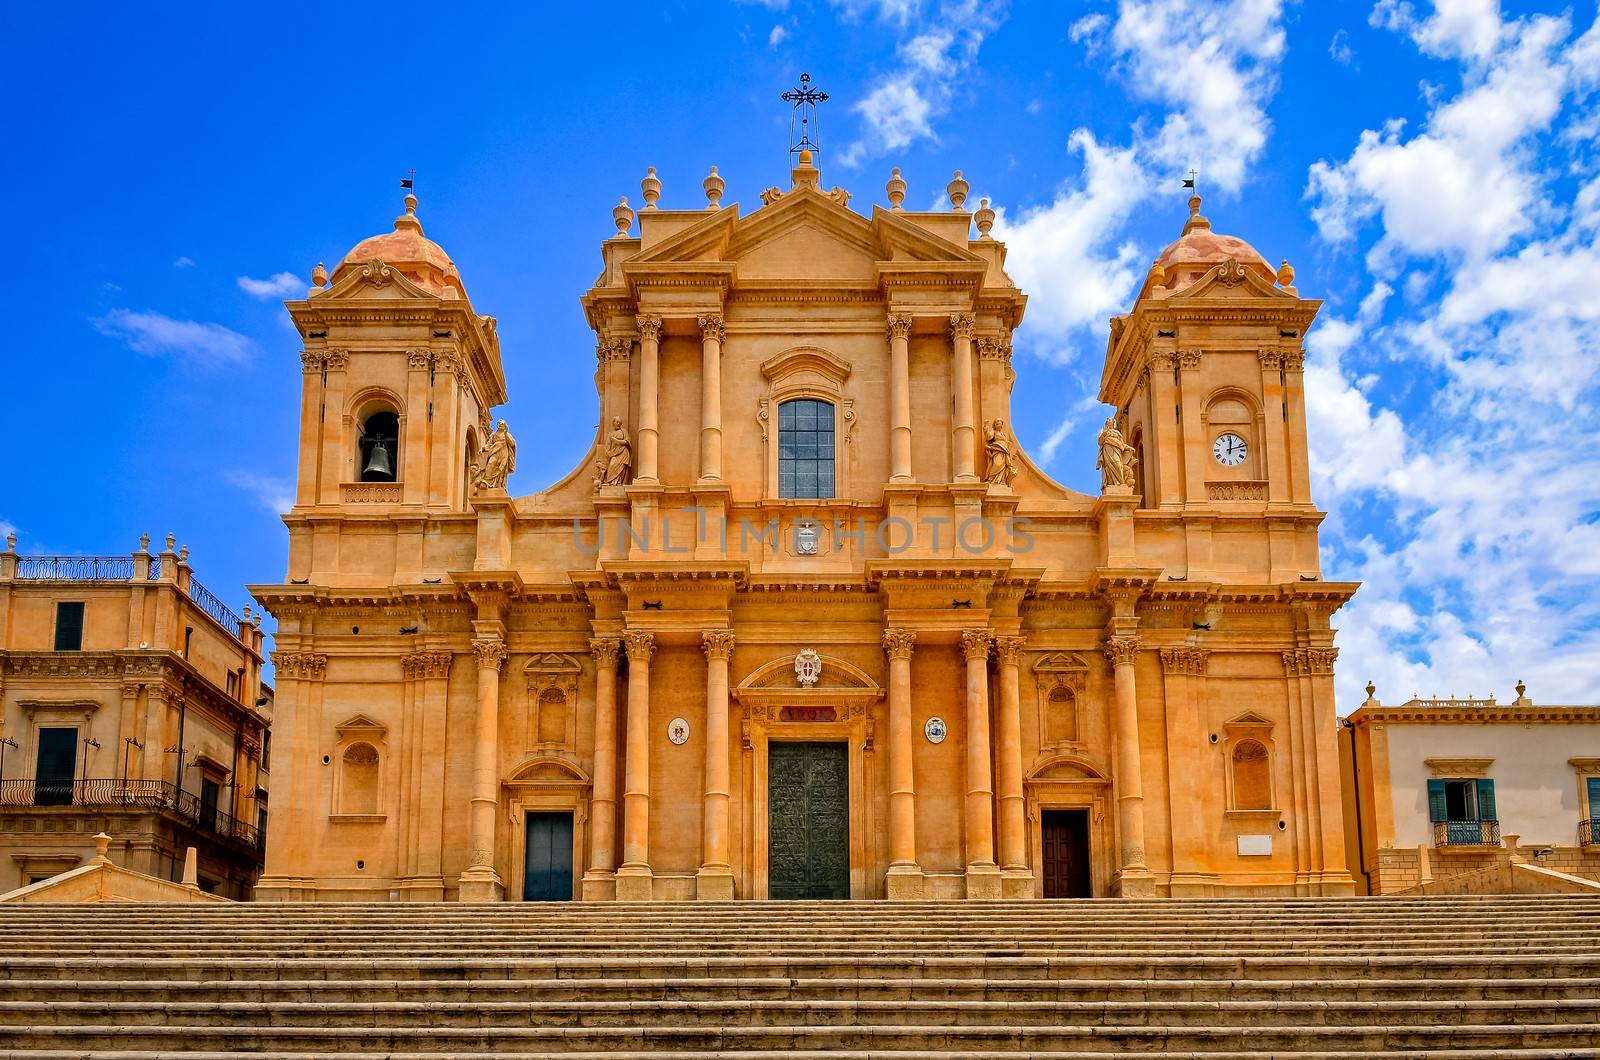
(806, 448)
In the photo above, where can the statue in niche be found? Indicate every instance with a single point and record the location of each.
(1002, 466)
(617, 468)
(1117, 457)
(497, 459)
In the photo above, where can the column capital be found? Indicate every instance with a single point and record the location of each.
(308, 665)
(710, 326)
(605, 650)
(1271, 359)
(337, 360)
(961, 325)
(975, 643)
(1121, 649)
(418, 359)
(1294, 360)
(898, 643)
(491, 652)
(616, 348)
(717, 643)
(1008, 650)
(649, 326)
(899, 325)
(311, 361)
(423, 664)
(641, 644)
(1184, 661)
(1310, 661)
(1189, 359)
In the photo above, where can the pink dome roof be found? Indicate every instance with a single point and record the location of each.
(1199, 248)
(419, 259)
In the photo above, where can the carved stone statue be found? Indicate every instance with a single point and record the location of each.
(617, 469)
(497, 459)
(1117, 458)
(1002, 467)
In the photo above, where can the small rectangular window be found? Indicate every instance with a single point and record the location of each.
(233, 684)
(69, 625)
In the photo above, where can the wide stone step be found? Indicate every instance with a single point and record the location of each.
(1151, 992)
(816, 1013)
(842, 1054)
(959, 1040)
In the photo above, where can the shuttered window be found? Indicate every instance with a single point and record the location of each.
(69, 625)
(1486, 811)
(1436, 804)
(1594, 798)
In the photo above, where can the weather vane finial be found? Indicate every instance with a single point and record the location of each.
(803, 116)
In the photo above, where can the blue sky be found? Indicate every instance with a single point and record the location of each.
(1429, 170)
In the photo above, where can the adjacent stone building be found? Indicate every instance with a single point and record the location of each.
(805, 621)
(131, 702)
(1436, 788)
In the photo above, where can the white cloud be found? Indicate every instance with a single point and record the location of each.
(184, 262)
(279, 285)
(202, 344)
(1488, 494)
(1213, 65)
(1339, 49)
(778, 35)
(274, 494)
(904, 102)
(1066, 254)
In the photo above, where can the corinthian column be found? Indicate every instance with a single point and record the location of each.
(479, 881)
(633, 879)
(1134, 875)
(711, 398)
(1008, 759)
(983, 876)
(597, 882)
(715, 879)
(965, 430)
(900, 398)
(905, 876)
(649, 396)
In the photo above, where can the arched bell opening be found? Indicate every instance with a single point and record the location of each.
(378, 456)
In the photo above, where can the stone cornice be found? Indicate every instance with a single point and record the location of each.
(153, 668)
(1499, 714)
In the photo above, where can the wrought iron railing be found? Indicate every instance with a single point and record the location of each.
(209, 602)
(1589, 832)
(141, 794)
(1466, 833)
(75, 568)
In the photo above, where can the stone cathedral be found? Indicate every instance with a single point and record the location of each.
(806, 621)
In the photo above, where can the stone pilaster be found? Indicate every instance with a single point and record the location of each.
(599, 880)
(983, 875)
(711, 334)
(1016, 878)
(1133, 875)
(634, 880)
(965, 436)
(904, 880)
(714, 882)
(480, 882)
(900, 398)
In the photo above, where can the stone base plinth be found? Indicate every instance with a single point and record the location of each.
(1136, 884)
(713, 885)
(903, 884)
(635, 884)
(983, 882)
(285, 889)
(1016, 883)
(421, 889)
(481, 885)
(1192, 885)
(599, 887)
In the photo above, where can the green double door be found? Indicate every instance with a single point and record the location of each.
(808, 827)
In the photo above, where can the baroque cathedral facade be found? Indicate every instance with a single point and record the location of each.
(806, 621)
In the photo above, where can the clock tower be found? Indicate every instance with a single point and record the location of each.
(1207, 376)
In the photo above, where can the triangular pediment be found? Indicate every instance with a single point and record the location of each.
(360, 725)
(552, 663)
(1060, 662)
(900, 240)
(704, 240)
(1249, 717)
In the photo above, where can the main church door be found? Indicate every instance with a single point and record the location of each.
(547, 875)
(808, 834)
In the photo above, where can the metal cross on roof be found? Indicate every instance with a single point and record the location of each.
(803, 116)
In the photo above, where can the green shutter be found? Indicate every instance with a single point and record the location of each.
(1486, 801)
(1436, 810)
(1594, 798)
(69, 625)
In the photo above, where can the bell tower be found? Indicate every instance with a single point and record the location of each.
(399, 376)
(1207, 376)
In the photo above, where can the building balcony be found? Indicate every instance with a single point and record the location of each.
(1589, 832)
(1456, 834)
(155, 795)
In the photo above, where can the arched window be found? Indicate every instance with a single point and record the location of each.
(1252, 780)
(378, 458)
(1139, 469)
(805, 448)
(1061, 716)
(468, 460)
(358, 787)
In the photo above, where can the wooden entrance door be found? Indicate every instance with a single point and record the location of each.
(1066, 853)
(547, 868)
(55, 767)
(808, 833)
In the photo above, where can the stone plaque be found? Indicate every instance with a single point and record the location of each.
(935, 730)
(1255, 846)
(678, 731)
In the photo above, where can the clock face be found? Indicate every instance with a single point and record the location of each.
(1229, 449)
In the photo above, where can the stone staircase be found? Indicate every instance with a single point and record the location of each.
(1459, 977)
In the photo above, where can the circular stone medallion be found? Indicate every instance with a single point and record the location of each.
(935, 730)
(678, 731)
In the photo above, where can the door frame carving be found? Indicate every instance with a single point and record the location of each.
(1071, 782)
(544, 784)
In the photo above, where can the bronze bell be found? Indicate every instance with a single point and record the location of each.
(378, 461)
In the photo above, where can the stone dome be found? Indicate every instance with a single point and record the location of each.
(1199, 248)
(418, 258)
